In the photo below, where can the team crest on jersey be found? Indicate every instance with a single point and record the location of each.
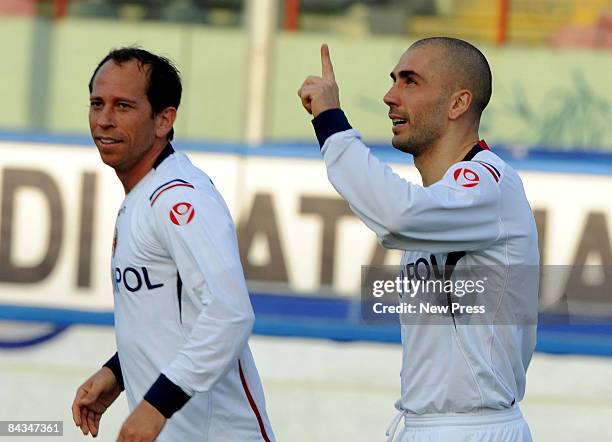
(466, 177)
(182, 213)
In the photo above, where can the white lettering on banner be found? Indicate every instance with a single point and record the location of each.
(285, 211)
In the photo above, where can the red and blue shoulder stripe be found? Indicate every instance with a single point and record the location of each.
(491, 168)
(167, 186)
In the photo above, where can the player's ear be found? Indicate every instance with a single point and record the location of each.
(164, 121)
(460, 103)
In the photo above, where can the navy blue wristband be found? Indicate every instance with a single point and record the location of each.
(115, 366)
(328, 123)
(166, 396)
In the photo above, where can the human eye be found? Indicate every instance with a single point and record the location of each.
(95, 104)
(123, 106)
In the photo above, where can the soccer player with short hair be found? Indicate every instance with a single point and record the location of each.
(182, 310)
(459, 381)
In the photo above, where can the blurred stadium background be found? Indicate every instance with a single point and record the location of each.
(328, 376)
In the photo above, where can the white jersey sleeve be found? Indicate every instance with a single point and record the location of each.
(196, 229)
(459, 212)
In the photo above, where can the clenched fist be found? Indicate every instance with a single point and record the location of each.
(319, 94)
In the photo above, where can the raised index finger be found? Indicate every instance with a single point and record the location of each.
(327, 70)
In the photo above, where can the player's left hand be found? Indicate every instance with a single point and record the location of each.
(319, 94)
(143, 425)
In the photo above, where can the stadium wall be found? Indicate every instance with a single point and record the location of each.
(302, 249)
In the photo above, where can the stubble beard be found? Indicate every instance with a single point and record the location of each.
(423, 131)
(419, 139)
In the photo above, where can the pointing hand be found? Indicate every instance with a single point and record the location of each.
(319, 94)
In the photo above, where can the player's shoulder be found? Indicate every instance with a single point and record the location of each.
(177, 176)
(178, 165)
(502, 172)
(484, 169)
(184, 195)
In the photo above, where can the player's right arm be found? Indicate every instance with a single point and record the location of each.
(93, 397)
(196, 229)
(447, 216)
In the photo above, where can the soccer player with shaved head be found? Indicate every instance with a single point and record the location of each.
(462, 376)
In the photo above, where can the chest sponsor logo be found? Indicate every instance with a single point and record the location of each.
(466, 177)
(134, 279)
(182, 213)
(423, 269)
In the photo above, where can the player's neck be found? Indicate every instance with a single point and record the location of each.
(433, 163)
(132, 176)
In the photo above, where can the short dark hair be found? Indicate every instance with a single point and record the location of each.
(164, 86)
(471, 65)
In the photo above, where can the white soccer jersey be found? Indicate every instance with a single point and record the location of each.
(476, 215)
(182, 310)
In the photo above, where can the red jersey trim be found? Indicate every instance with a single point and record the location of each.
(484, 145)
(490, 169)
(252, 403)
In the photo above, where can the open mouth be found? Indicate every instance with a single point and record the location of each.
(398, 124)
(107, 141)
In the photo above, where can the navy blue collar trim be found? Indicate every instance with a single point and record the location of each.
(168, 150)
(472, 153)
(478, 147)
